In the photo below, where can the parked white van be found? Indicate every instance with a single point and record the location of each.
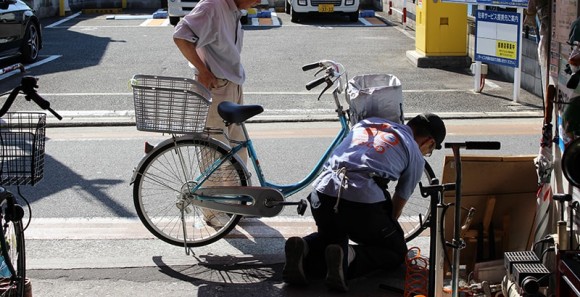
(176, 9)
(299, 8)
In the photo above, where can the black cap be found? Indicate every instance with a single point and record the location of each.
(434, 125)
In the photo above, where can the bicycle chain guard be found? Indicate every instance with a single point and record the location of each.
(226, 198)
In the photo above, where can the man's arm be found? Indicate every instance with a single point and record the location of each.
(398, 204)
(187, 48)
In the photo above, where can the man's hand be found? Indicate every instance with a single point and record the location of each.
(207, 79)
(205, 76)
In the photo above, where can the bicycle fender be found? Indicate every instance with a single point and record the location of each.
(191, 137)
(262, 205)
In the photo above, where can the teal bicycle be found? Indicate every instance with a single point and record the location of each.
(183, 178)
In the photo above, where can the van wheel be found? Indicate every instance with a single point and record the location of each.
(173, 20)
(296, 16)
(353, 16)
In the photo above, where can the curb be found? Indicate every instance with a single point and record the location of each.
(105, 119)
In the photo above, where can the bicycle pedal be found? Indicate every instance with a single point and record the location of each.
(302, 206)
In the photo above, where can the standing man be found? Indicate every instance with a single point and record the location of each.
(350, 201)
(211, 39)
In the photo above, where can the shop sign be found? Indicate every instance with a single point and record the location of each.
(502, 3)
(497, 37)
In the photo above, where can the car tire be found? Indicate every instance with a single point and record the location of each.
(296, 17)
(287, 6)
(353, 16)
(31, 43)
(173, 20)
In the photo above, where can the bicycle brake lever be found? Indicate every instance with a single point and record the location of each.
(323, 69)
(328, 85)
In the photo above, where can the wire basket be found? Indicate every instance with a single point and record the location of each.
(169, 104)
(22, 138)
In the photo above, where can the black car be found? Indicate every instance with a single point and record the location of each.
(20, 31)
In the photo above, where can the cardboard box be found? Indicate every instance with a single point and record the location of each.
(503, 192)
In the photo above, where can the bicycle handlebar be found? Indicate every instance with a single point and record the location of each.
(28, 86)
(311, 66)
(315, 83)
(333, 72)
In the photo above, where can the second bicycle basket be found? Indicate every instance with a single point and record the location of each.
(22, 137)
(169, 104)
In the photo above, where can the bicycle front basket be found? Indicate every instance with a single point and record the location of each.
(22, 137)
(169, 104)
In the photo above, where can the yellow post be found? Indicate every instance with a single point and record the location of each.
(123, 4)
(61, 8)
(441, 34)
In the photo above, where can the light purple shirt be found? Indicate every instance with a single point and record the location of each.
(214, 26)
(374, 146)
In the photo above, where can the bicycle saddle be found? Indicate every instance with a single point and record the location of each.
(236, 113)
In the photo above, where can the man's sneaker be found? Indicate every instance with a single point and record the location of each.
(293, 272)
(335, 268)
(216, 219)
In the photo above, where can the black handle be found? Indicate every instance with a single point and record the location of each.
(482, 145)
(475, 145)
(315, 83)
(310, 66)
(42, 103)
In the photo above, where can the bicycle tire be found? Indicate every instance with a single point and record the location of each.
(15, 244)
(162, 177)
(418, 209)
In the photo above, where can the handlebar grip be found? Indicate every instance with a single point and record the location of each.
(482, 145)
(315, 83)
(310, 66)
(42, 103)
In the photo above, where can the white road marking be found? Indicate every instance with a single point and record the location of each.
(63, 20)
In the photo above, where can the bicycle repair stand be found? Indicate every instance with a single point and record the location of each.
(435, 191)
(457, 244)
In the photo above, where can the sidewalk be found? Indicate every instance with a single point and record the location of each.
(129, 260)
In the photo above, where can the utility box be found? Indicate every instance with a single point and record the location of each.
(441, 28)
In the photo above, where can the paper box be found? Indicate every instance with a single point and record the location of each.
(503, 192)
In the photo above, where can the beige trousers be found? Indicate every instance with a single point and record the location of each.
(226, 91)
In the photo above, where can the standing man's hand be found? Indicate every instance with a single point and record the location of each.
(205, 76)
(207, 79)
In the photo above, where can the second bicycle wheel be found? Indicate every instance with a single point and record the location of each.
(417, 209)
(14, 242)
(167, 174)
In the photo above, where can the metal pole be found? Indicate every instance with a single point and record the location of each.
(518, 70)
(457, 227)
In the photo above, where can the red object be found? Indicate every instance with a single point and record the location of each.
(404, 15)
(390, 7)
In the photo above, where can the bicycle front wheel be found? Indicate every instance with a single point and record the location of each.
(161, 192)
(417, 209)
(13, 285)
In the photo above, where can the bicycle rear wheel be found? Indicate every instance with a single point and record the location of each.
(161, 187)
(418, 209)
(14, 285)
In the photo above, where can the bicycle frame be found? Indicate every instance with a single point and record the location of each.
(287, 189)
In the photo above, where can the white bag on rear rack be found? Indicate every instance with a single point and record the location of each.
(375, 95)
